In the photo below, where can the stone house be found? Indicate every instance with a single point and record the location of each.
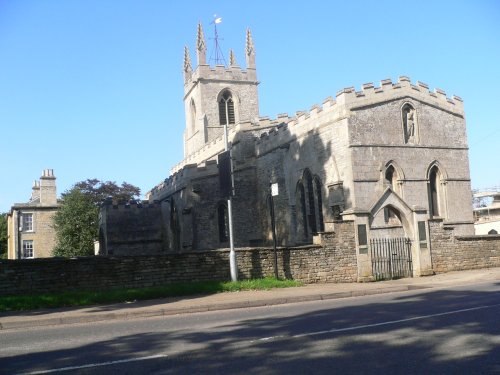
(388, 158)
(29, 225)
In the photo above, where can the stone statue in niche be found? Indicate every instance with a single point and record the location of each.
(409, 123)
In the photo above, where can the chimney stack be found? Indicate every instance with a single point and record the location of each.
(47, 188)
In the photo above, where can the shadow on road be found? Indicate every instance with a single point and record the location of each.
(437, 332)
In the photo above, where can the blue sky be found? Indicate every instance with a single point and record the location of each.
(93, 88)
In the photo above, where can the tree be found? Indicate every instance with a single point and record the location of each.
(3, 236)
(99, 191)
(77, 220)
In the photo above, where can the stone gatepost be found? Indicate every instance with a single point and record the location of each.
(421, 253)
(362, 234)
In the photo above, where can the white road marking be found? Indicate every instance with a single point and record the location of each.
(273, 338)
(379, 324)
(96, 364)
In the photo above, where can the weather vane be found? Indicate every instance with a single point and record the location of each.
(218, 59)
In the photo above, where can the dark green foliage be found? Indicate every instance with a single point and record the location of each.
(3, 236)
(77, 220)
(76, 224)
(99, 191)
(123, 295)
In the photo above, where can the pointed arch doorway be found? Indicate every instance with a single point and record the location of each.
(391, 238)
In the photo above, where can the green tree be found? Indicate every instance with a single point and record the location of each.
(3, 236)
(77, 220)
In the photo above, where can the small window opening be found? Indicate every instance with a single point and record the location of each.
(226, 109)
(223, 222)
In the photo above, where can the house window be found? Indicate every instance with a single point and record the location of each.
(226, 108)
(28, 222)
(28, 249)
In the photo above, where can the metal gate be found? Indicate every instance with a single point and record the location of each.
(391, 258)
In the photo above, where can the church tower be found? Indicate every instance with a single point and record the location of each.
(215, 95)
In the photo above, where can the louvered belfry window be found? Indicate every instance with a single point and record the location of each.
(226, 109)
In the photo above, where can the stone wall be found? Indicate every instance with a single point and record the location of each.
(454, 253)
(332, 261)
(132, 228)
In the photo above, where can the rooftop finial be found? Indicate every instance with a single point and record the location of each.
(201, 47)
(250, 51)
(232, 58)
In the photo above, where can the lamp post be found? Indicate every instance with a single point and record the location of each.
(232, 255)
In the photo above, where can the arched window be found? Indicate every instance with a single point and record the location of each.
(226, 108)
(193, 116)
(319, 201)
(434, 187)
(309, 205)
(302, 210)
(493, 231)
(310, 200)
(175, 227)
(223, 222)
(391, 177)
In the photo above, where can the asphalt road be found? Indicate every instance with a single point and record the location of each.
(446, 331)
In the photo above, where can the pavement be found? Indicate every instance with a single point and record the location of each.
(237, 300)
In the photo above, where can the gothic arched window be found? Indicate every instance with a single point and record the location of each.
(193, 116)
(175, 227)
(310, 205)
(302, 209)
(223, 222)
(310, 200)
(391, 177)
(319, 201)
(226, 108)
(434, 191)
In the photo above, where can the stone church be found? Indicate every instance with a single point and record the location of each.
(388, 158)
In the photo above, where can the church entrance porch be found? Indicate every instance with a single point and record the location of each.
(391, 258)
(392, 239)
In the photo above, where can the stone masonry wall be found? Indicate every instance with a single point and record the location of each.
(454, 253)
(334, 261)
(132, 228)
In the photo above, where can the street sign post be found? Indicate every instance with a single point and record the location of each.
(274, 193)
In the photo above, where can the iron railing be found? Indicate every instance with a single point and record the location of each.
(391, 258)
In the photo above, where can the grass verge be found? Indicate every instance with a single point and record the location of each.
(84, 298)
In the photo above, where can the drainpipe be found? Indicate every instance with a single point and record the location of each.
(18, 213)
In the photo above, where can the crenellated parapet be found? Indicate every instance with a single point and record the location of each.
(129, 205)
(270, 133)
(370, 94)
(180, 179)
(347, 100)
(220, 73)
